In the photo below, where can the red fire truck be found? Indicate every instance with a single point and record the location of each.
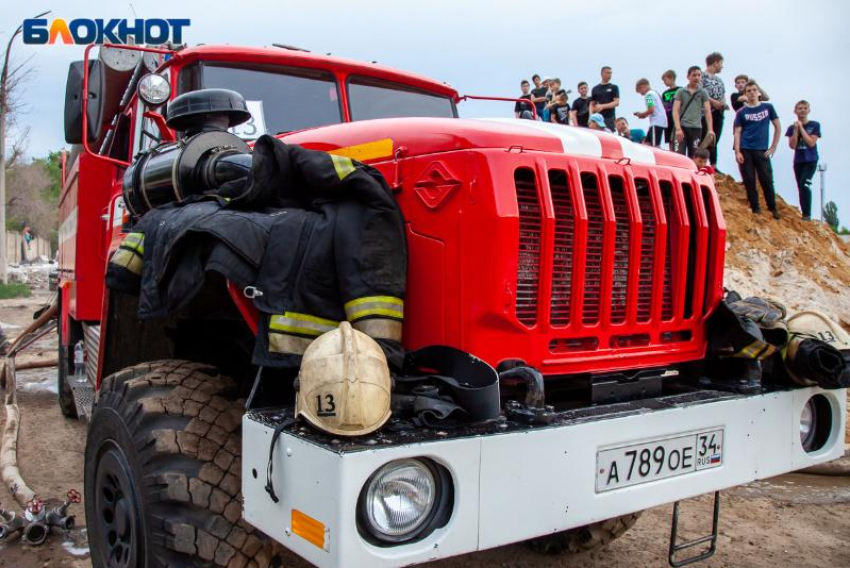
(588, 259)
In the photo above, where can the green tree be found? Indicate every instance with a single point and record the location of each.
(52, 164)
(32, 195)
(830, 215)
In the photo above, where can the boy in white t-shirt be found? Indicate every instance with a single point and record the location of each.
(654, 110)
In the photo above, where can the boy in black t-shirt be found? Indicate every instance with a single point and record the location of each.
(538, 95)
(604, 98)
(559, 110)
(580, 113)
(668, 97)
(738, 98)
(523, 110)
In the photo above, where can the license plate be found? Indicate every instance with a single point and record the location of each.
(658, 459)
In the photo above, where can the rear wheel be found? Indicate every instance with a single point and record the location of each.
(586, 538)
(162, 477)
(66, 397)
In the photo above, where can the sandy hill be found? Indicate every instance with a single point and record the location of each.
(801, 264)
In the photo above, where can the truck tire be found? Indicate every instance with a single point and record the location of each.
(66, 398)
(163, 471)
(586, 538)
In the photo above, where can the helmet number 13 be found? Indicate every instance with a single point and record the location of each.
(326, 407)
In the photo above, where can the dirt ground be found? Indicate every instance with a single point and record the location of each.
(792, 520)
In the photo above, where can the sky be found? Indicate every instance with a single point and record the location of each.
(795, 50)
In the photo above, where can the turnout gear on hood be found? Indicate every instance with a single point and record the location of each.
(344, 384)
(742, 334)
(323, 242)
(753, 328)
(811, 362)
(819, 351)
(440, 382)
(767, 314)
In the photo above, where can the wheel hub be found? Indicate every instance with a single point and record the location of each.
(118, 511)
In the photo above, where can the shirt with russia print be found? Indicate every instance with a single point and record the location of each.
(755, 125)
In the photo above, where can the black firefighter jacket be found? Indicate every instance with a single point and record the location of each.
(318, 236)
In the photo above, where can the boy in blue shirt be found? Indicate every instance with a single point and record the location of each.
(752, 127)
(803, 138)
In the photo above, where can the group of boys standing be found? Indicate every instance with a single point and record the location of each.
(689, 120)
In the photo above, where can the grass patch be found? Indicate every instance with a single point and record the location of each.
(14, 290)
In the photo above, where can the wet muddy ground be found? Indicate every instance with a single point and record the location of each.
(792, 520)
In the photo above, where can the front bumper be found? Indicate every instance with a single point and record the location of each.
(513, 482)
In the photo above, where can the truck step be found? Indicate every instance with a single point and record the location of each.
(83, 397)
(676, 546)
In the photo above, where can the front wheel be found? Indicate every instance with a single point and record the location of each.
(586, 538)
(162, 471)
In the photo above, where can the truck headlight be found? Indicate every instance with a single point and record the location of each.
(816, 423)
(154, 89)
(402, 499)
(807, 424)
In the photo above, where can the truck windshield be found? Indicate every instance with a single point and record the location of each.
(372, 98)
(280, 99)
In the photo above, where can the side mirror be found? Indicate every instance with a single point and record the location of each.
(74, 102)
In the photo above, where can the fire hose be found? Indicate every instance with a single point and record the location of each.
(39, 516)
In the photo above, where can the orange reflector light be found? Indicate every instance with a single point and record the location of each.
(309, 529)
(368, 151)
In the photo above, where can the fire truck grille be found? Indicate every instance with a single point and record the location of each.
(692, 249)
(708, 205)
(620, 277)
(593, 250)
(647, 251)
(528, 259)
(666, 285)
(628, 255)
(562, 258)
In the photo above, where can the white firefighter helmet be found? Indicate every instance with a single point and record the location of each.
(817, 325)
(344, 383)
(790, 355)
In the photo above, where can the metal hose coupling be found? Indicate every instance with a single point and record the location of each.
(533, 409)
(36, 533)
(58, 516)
(10, 524)
(535, 392)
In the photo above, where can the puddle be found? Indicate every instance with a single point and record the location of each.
(76, 543)
(38, 380)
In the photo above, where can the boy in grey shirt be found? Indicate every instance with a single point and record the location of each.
(690, 104)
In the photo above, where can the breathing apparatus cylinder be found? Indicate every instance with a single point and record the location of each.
(205, 157)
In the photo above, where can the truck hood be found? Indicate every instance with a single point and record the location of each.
(378, 140)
